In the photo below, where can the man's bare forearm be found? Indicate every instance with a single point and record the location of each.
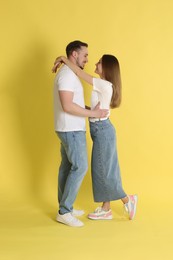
(76, 110)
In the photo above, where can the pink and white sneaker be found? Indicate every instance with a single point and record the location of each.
(99, 213)
(130, 207)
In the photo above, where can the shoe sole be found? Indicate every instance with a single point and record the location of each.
(100, 218)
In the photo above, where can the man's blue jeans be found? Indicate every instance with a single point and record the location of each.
(74, 165)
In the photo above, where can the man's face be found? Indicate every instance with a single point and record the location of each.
(81, 57)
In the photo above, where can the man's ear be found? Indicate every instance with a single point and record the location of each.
(74, 54)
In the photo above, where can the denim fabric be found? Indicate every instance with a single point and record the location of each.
(73, 168)
(106, 178)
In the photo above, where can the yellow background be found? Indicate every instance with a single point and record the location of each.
(33, 33)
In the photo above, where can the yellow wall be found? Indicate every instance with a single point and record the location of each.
(33, 33)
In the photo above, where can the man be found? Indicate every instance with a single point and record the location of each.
(69, 115)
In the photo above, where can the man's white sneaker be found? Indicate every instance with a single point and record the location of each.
(69, 220)
(77, 213)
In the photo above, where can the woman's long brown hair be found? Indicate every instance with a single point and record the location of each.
(111, 73)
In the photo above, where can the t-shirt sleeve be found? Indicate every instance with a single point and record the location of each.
(65, 81)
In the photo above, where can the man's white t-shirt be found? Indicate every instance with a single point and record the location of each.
(102, 92)
(66, 80)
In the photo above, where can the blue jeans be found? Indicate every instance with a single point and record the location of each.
(106, 177)
(74, 165)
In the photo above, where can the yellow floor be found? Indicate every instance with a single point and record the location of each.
(30, 232)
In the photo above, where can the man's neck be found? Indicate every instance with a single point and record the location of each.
(72, 60)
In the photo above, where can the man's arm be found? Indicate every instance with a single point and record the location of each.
(66, 98)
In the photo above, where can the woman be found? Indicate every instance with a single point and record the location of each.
(106, 178)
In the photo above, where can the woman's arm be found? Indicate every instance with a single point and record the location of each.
(78, 71)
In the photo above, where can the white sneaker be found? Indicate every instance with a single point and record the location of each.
(77, 213)
(69, 220)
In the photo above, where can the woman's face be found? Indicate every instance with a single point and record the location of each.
(98, 69)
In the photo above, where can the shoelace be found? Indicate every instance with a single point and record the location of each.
(98, 210)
